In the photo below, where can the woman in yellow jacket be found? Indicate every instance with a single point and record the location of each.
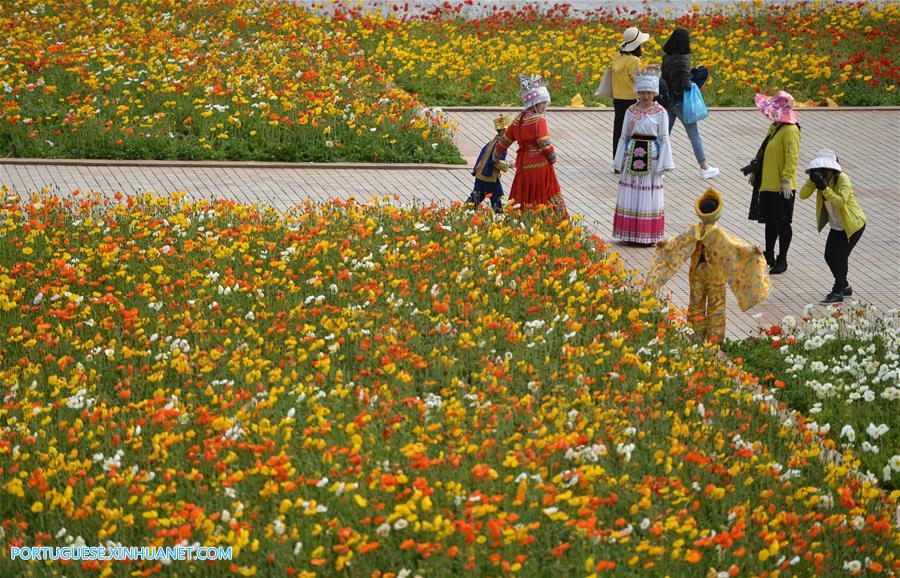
(773, 177)
(623, 69)
(835, 205)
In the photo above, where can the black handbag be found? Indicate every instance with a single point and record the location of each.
(699, 76)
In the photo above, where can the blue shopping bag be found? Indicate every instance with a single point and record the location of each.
(694, 107)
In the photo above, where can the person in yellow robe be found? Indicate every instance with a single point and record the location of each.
(717, 259)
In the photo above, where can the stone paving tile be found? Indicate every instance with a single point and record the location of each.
(583, 140)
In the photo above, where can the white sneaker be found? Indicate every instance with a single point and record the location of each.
(709, 173)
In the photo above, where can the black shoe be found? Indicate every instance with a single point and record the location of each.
(779, 268)
(832, 298)
(848, 291)
(770, 259)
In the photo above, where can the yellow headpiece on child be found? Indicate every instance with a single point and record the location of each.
(502, 121)
(711, 201)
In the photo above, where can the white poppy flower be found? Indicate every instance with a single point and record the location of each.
(876, 432)
(895, 462)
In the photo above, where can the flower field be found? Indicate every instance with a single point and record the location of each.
(368, 390)
(471, 54)
(201, 79)
(269, 80)
(843, 371)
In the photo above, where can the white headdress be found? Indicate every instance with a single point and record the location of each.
(647, 79)
(533, 90)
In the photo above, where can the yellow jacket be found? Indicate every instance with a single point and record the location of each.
(782, 155)
(840, 195)
(622, 67)
(730, 260)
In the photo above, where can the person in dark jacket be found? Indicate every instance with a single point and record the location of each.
(676, 71)
(487, 173)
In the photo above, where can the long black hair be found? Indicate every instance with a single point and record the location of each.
(678, 43)
(635, 52)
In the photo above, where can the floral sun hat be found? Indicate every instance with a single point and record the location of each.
(779, 108)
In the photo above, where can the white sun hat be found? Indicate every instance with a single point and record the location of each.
(825, 159)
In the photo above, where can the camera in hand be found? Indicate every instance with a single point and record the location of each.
(750, 168)
(817, 176)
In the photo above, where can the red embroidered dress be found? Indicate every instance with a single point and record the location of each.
(535, 181)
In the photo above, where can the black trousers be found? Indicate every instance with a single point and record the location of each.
(777, 213)
(782, 232)
(837, 252)
(620, 106)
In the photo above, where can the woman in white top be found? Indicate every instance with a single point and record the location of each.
(642, 156)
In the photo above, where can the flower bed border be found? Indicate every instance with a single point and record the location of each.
(486, 108)
(226, 164)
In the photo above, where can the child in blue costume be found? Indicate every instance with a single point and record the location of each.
(486, 173)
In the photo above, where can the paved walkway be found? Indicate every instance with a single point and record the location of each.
(583, 140)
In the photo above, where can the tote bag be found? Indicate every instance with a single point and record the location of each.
(694, 107)
(605, 88)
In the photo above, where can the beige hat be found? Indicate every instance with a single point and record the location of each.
(632, 38)
(825, 159)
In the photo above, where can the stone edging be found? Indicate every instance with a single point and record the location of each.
(712, 108)
(230, 164)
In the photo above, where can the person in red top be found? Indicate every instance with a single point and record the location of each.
(535, 181)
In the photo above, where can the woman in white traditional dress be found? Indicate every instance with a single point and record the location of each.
(642, 156)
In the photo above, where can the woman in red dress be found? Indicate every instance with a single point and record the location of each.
(535, 181)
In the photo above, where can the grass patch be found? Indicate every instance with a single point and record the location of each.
(840, 371)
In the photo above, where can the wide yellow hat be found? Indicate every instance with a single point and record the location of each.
(711, 210)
